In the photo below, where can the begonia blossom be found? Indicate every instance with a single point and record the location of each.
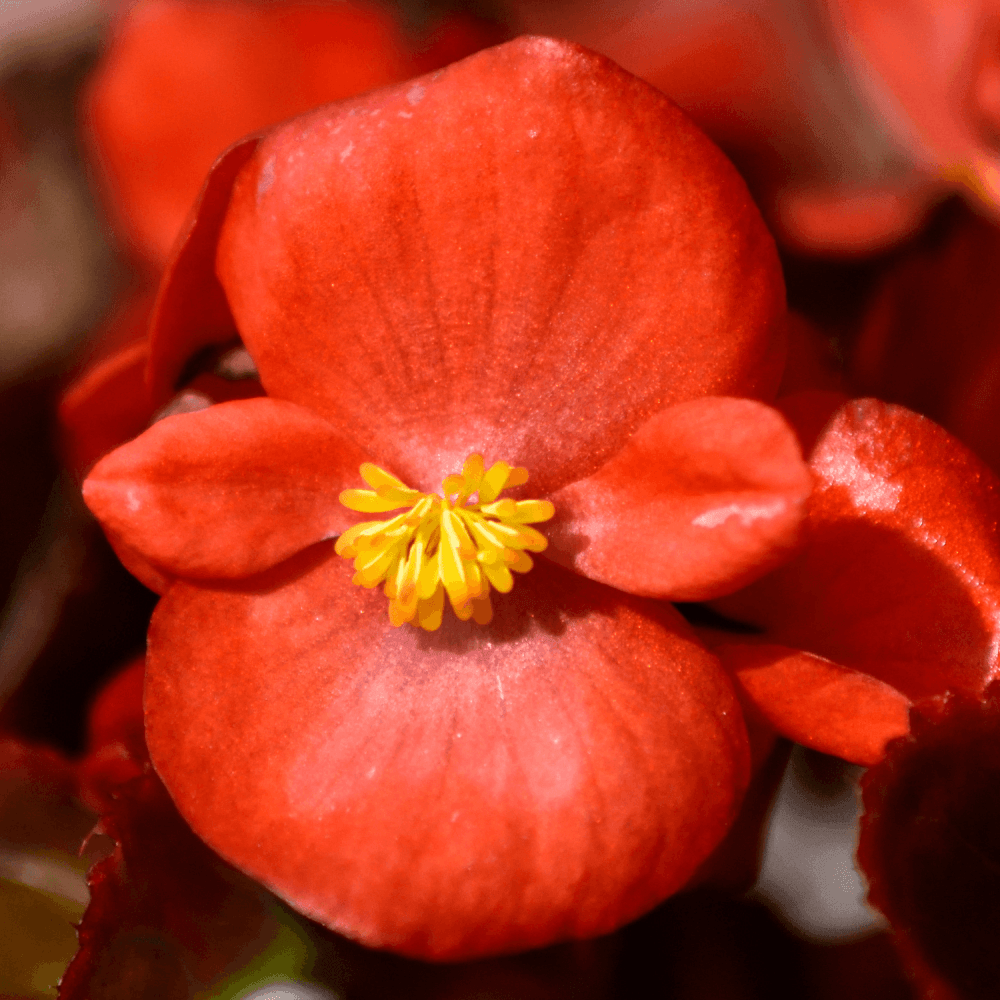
(878, 640)
(527, 270)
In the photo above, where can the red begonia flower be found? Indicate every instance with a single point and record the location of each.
(929, 845)
(532, 255)
(895, 594)
(183, 79)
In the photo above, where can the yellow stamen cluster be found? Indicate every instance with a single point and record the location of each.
(444, 543)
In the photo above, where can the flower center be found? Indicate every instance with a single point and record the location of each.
(443, 543)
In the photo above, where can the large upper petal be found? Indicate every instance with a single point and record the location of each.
(227, 491)
(706, 496)
(899, 575)
(466, 792)
(526, 254)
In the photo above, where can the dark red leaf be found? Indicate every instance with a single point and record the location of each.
(930, 843)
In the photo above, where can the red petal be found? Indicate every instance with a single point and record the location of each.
(105, 408)
(900, 575)
(819, 704)
(191, 310)
(594, 260)
(929, 841)
(139, 566)
(466, 792)
(227, 491)
(706, 496)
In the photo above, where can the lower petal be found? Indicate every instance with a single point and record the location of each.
(477, 790)
(817, 703)
(706, 496)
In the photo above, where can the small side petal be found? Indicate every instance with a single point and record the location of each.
(227, 491)
(706, 496)
(483, 789)
(817, 703)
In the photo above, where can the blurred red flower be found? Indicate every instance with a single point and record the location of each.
(531, 255)
(930, 338)
(183, 79)
(879, 643)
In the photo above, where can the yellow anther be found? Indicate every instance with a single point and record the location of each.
(452, 485)
(472, 472)
(443, 543)
(376, 477)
